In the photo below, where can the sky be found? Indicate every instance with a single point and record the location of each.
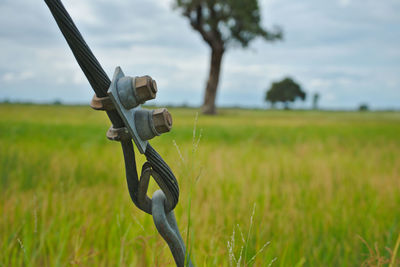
(348, 51)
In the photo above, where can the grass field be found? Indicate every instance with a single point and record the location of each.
(322, 187)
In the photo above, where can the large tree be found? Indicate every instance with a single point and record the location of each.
(284, 91)
(222, 24)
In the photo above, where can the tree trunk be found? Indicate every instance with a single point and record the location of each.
(286, 104)
(212, 83)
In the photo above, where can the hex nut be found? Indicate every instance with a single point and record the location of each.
(145, 88)
(162, 120)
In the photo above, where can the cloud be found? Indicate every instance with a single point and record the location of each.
(344, 3)
(17, 76)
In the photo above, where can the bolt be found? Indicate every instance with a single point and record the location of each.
(162, 120)
(145, 88)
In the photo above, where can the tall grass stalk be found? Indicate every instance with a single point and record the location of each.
(396, 248)
(249, 232)
(244, 246)
(192, 182)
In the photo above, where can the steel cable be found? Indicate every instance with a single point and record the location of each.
(162, 168)
(92, 69)
(100, 83)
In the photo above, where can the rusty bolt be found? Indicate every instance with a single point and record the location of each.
(162, 120)
(146, 88)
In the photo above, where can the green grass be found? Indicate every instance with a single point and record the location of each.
(325, 187)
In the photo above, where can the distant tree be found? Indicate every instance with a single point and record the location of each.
(57, 102)
(284, 91)
(222, 23)
(363, 107)
(315, 100)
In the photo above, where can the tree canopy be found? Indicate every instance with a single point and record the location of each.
(222, 24)
(285, 91)
(227, 21)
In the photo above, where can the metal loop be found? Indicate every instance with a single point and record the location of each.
(143, 201)
(167, 227)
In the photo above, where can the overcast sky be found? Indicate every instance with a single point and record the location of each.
(347, 50)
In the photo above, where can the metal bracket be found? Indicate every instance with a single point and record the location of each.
(127, 115)
(101, 103)
(118, 134)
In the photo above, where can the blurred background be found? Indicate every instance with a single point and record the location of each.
(347, 51)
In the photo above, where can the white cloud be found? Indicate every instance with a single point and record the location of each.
(344, 3)
(319, 84)
(17, 76)
(8, 77)
(83, 11)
